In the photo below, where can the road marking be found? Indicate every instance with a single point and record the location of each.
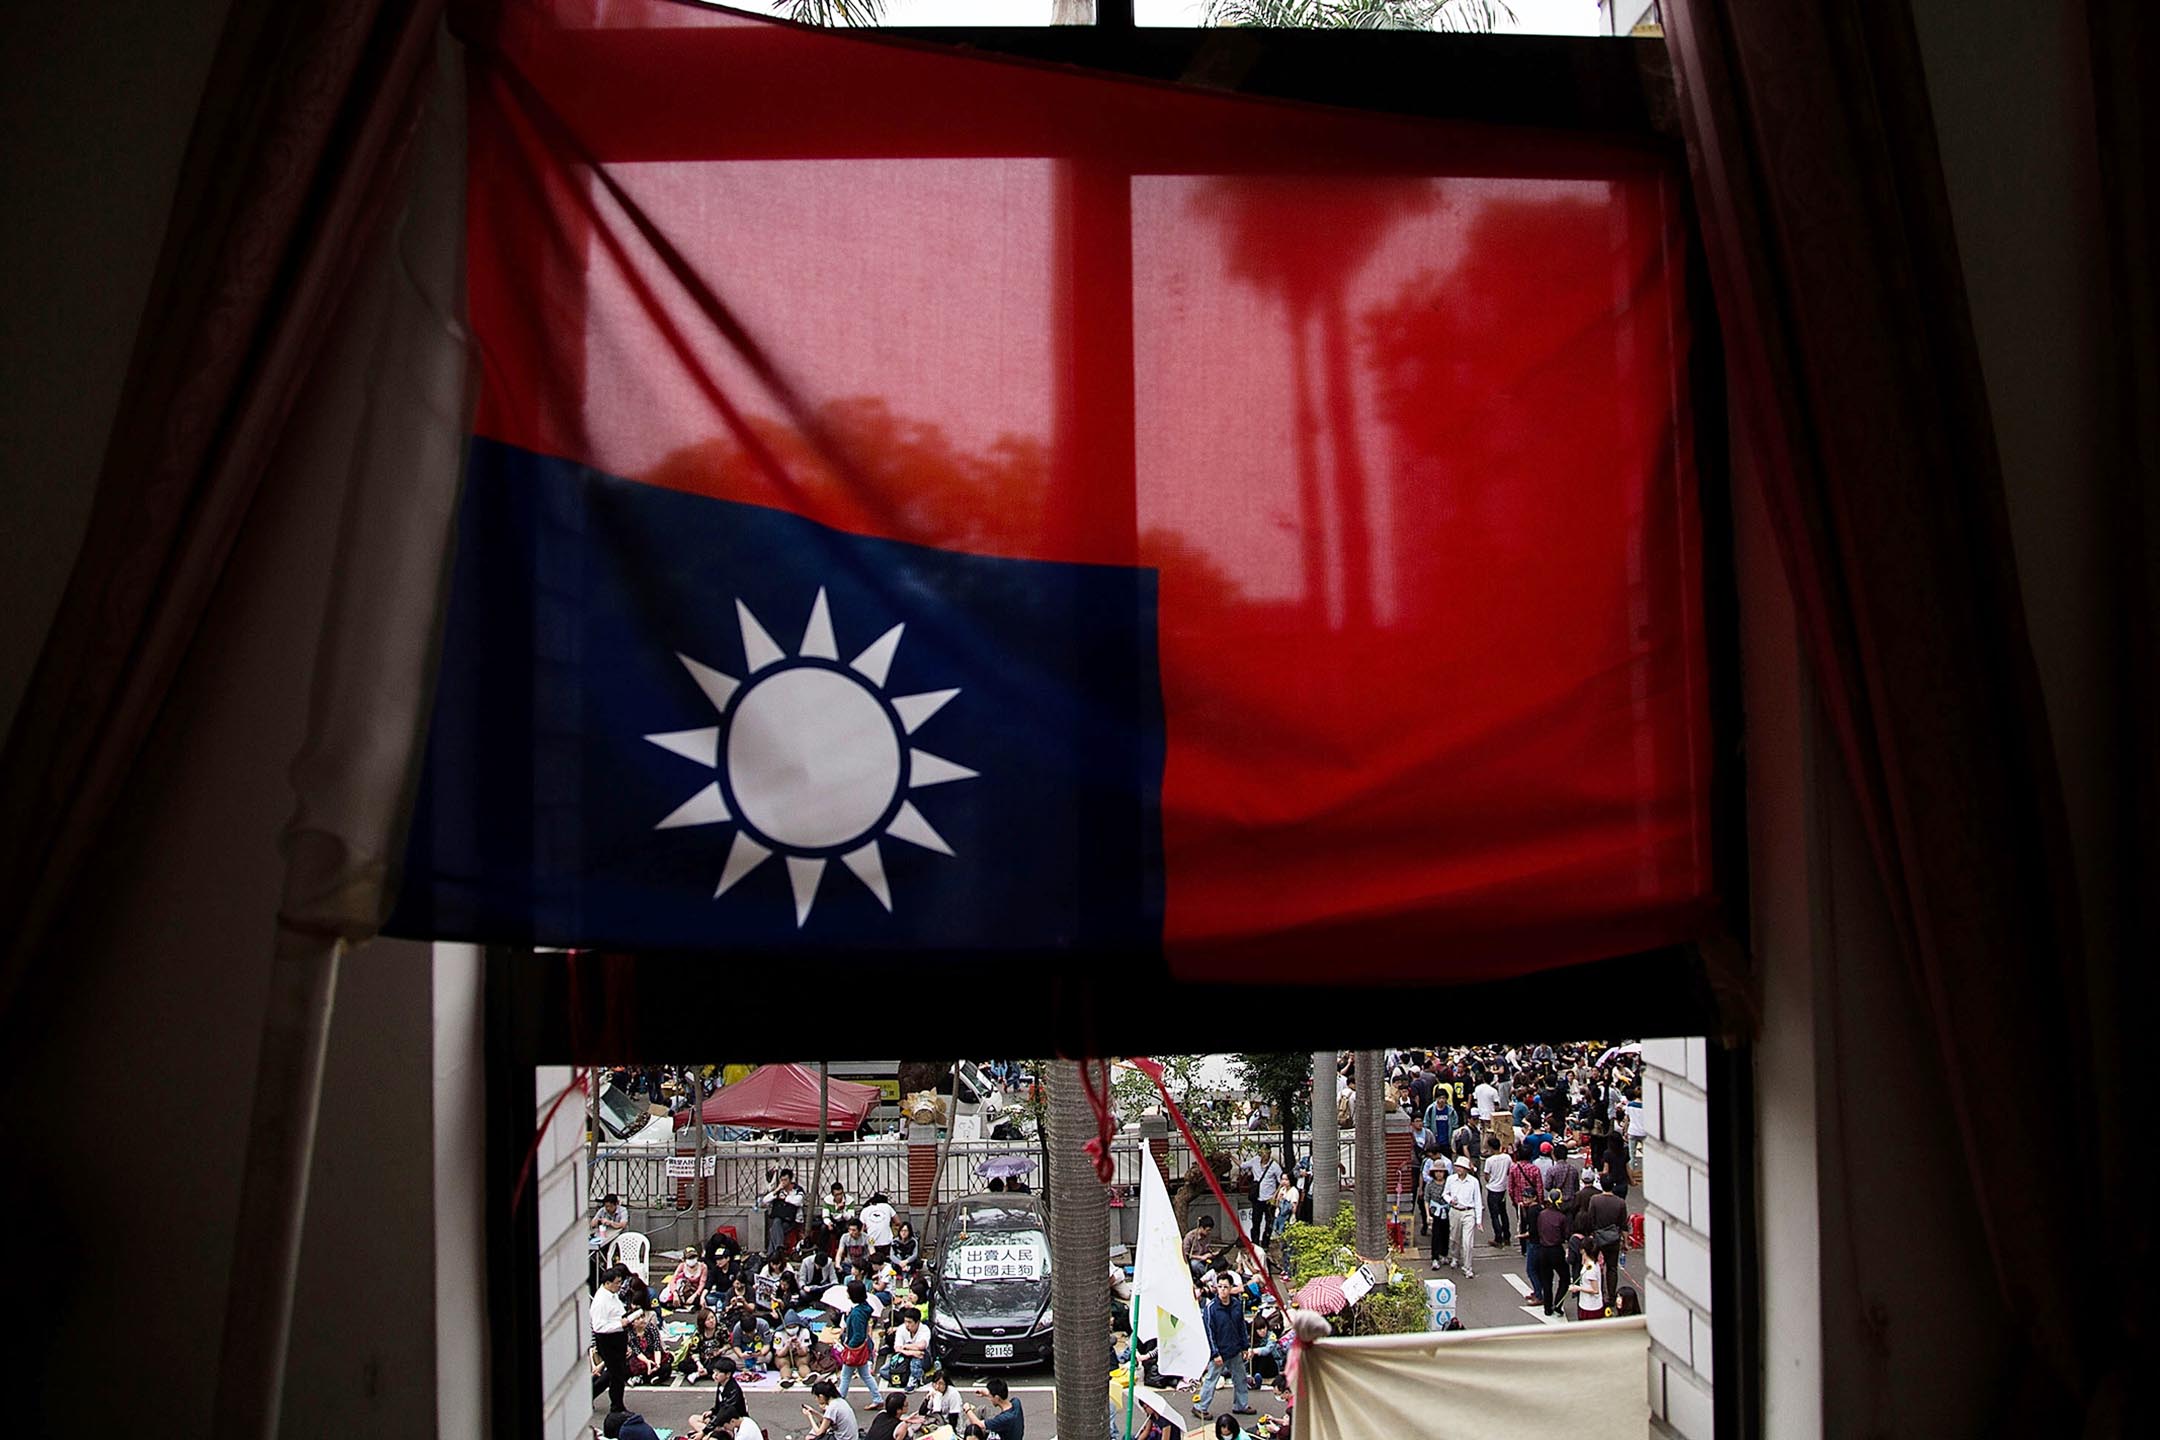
(1522, 1286)
(1538, 1314)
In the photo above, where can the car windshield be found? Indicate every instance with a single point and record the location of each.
(997, 1259)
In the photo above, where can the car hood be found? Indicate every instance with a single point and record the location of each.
(994, 1302)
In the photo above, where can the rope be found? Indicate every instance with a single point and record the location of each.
(1098, 1097)
(578, 1081)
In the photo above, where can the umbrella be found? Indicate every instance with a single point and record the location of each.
(1606, 1058)
(837, 1299)
(1323, 1294)
(1005, 1167)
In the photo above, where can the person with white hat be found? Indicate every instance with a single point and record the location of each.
(1465, 1200)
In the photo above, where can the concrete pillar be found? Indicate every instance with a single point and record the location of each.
(1155, 1133)
(922, 1153)
(1401, 1156)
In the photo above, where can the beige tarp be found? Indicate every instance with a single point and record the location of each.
(1533, 1380)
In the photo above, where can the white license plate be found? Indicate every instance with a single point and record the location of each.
(997, 1352)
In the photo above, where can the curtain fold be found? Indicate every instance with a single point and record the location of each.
(1857, 391)
(302, 127)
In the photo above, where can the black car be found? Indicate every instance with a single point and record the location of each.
(990, 1295)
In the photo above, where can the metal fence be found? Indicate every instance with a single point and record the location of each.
(741, 1168)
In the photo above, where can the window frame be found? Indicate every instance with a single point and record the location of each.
(553, 1012)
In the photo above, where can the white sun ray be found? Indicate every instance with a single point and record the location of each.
(909, 825)
(743, 856)
(757, 646)
(702, 746)
(718, 688)
(817, 640)
(707, 807)
(868, 863)
(803, 873)
(875, 661)
(925, 768)
(915, 709)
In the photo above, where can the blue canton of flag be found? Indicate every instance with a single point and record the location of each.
(669, 721)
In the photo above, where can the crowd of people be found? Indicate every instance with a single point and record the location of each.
(1526, 1147)
(833, 1299)
(1496, 1138)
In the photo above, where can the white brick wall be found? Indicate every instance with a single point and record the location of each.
(1676, 1233)
(565, 1382)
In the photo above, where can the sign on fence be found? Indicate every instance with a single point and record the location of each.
(680, 1167)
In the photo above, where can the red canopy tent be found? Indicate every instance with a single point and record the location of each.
(785, 1097)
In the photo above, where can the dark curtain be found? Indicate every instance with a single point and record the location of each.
(307, 112)
(1856, 387)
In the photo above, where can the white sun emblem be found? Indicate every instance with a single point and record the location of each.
(813, 759)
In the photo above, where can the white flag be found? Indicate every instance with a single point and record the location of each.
(1162, 1282)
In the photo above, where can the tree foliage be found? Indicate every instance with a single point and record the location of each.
(831, 12)
(1280, 1079)
(1446, 15)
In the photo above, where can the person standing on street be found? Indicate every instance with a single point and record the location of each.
(1603, 1221)
(1267, 1177)
(1486, 1098)
(1551, 1253)
(1465, 1199)
(610, 1334)
(1496, 1201)
(1229, 1348)
(1433, 1194)
(877, 1222)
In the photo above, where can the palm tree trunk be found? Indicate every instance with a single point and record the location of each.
(1326, 1141)
(944, 1153)
(1369, 1113)
(817, 1161)
(1079, 1261)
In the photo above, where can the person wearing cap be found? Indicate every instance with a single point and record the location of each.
(1465, 1200)
(1433, 1195)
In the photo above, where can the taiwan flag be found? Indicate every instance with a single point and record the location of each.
(936, 507)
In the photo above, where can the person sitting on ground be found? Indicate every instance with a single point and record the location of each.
(701, 1360)
(1003, 1419)
(627, 1425)
(742, 1427)
(728, 1401)
(647, 1360)
(854, 1245)
(816, 1273)
(943, 1401)
(791, 1349)
(906, 1249)
(831, 1415)
(837, 1211)
(892, 1422)
(910, 1350)
(686, 1287)
(636, 1294)
(1227, 1427)
(1200, 1245)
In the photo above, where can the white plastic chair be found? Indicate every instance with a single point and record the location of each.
(633, 1251)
